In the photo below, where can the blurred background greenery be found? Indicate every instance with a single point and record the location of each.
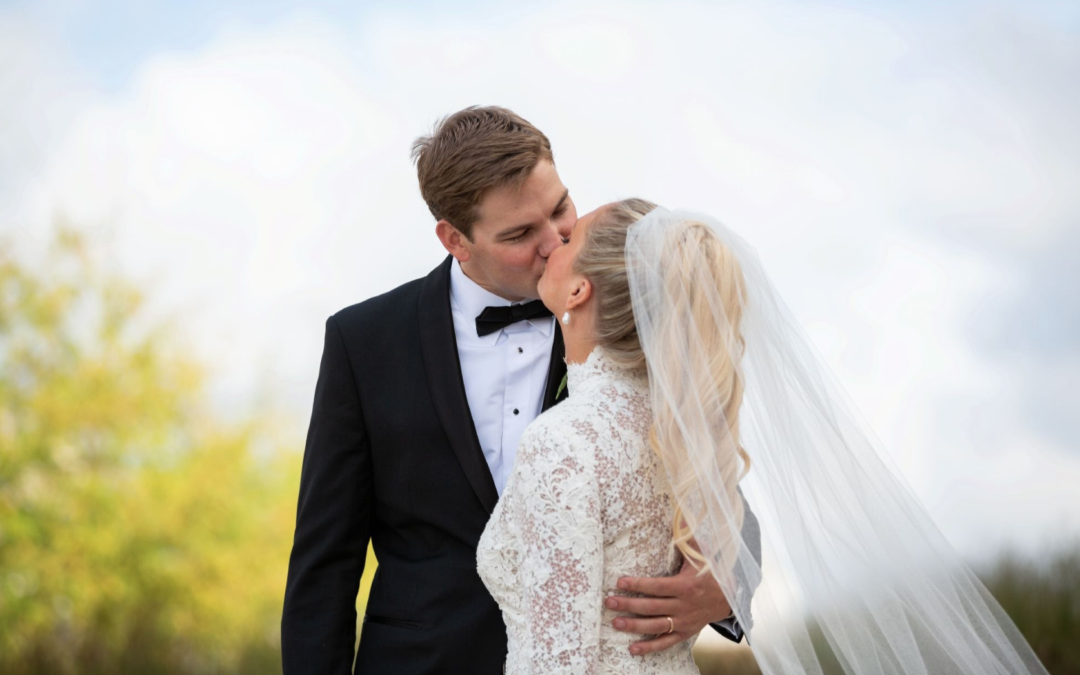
(142, 533)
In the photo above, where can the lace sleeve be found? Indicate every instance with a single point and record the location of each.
(562, 556)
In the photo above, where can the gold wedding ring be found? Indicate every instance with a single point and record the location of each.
(671, 624)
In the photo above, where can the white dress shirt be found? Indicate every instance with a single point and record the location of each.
(505, 373)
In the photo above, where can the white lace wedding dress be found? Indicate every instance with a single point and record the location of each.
(587, 503)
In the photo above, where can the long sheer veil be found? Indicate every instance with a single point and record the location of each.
(856, 578)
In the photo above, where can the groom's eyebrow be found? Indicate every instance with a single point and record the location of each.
(517, 228)
(562, 200)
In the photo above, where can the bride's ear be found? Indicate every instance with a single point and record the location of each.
(579, 293)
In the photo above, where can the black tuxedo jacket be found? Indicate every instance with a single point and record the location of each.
(392, 457)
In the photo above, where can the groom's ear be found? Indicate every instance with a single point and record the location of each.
(452, 240)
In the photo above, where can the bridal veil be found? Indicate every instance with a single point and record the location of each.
(856, 578)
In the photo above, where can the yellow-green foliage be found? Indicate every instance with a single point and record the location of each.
(138, 533)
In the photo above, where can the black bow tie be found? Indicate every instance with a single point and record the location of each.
(496, 318)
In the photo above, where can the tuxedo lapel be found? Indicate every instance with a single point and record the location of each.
(556, 370)
(438, 346)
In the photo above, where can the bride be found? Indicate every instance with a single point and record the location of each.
(689, 380)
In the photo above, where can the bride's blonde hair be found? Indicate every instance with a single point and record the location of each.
(602, 259)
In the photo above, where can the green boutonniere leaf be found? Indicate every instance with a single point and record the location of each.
(562, 385)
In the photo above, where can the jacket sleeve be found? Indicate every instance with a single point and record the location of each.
(333, 524)
(751, 534)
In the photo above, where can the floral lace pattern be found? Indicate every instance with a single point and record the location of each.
(586, 504)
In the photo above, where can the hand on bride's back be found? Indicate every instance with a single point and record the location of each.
(692, 600)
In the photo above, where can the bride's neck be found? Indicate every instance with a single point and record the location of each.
(578, 347)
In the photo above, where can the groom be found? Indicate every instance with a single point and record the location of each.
(423, 393)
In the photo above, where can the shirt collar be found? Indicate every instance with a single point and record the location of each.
(471, 299)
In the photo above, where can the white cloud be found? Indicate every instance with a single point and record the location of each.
(41, 92)
(263, 182)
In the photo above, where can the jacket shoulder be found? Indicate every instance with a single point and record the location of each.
(391, 306)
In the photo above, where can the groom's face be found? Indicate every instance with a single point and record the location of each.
(518, 228)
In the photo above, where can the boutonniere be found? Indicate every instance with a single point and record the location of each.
(562, 385)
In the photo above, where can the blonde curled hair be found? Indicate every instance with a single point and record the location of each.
(602, 259)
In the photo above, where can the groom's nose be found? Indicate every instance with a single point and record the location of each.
(551, 240)
(565, 227)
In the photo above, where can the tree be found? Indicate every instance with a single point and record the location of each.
(138, 533)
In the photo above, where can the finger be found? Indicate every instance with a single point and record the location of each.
(645, 626)
(657, 644)
(660, 587)
(642, 606)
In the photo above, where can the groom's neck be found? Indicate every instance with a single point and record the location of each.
(476, 275)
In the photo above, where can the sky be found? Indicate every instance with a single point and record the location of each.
(907, 172)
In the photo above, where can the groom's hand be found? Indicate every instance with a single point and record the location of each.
(692, 601)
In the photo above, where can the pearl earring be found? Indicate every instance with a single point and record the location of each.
(566, 318)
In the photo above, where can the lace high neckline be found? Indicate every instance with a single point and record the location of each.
(598, 366)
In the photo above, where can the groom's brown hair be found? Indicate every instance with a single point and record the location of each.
(470, 153)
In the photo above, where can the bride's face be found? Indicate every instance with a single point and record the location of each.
(560, 279)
